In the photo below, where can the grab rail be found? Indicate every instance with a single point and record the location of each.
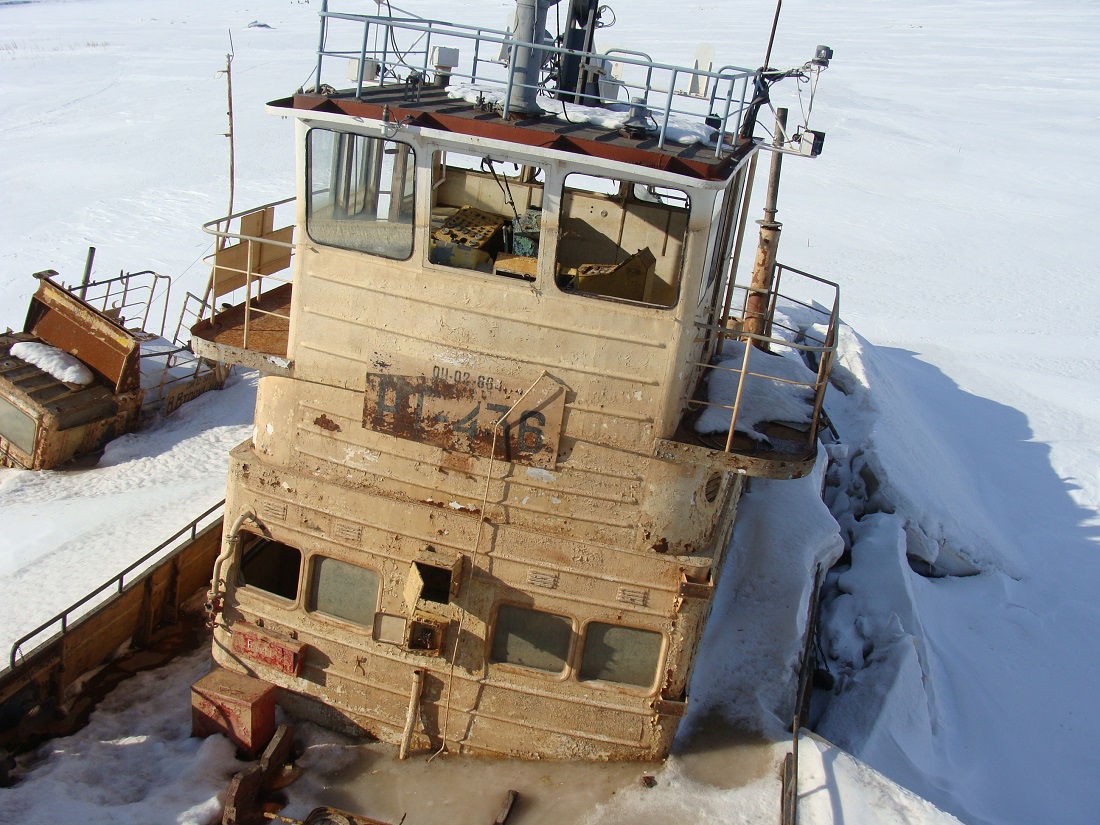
(788, 807)
(723, 109)
(814, 339)
(255, 257)
(118, 581)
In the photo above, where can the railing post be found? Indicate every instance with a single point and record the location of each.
(321, 45)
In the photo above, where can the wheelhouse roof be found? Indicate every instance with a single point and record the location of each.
(433, 108)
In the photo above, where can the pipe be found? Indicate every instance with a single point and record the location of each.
(524, 72)
(232, 542)
(414, 712)
(756, 305)
(87, 273)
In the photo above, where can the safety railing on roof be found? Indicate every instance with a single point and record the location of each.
(714, 102)
(778, 376)
(249, 254)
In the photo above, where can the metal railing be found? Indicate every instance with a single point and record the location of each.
(117, 584)
(377, 41)
(240, 270)
(788, 808)
(139, 302)
(133, 299)
(814, 339)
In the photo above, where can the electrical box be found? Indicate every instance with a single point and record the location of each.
(809, 143)
(444, 57)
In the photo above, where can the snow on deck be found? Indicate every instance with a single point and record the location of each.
(68, 369)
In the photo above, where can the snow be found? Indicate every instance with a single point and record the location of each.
(680, 128)
(951, 202)
(777, 387)
(64, 367)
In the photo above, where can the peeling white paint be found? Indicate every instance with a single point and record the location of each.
(539, 474)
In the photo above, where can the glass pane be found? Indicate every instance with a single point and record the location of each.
(531, 638)
(620, 654)
(272, 566)
(343, 590)
(17, 427)
(361, 193)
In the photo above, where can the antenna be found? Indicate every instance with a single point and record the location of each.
(771, 39)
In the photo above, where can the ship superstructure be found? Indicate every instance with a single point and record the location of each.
(479, 509)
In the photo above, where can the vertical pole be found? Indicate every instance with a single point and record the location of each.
(87, 272)
(526, 61)
(756, 305)
(321, 45)
(413, 713)
(731, 277)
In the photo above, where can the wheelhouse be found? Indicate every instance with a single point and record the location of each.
(475, 511)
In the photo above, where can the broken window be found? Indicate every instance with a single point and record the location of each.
(622, 240)
(361, 193)
(270, 566)
(626, 655)
(486, 215)
(531, 638)
(343, 590)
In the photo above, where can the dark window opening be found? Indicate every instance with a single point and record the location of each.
(437, 583)
(622, 240)
(486, 215)
(271, 566)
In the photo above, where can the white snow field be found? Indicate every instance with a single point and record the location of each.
(954, 204)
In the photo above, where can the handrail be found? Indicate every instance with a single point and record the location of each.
(116, 581)
(821, 348)
(220, 228)
(132, 293)
(788, 808)
(727, 106)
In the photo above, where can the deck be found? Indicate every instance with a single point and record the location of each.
(261, 343)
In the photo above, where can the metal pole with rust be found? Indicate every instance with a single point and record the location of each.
(763, 271)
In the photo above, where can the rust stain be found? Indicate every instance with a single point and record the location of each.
(326, 423)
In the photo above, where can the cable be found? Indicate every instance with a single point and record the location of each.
(482, 517)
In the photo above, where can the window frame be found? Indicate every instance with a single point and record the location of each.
(540, 176)
(567, 660)
(308, 594)
(642, 690)
(242, 583)
(624, 195)
(413, 167)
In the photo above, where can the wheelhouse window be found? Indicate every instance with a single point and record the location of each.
(627, 655)
(270, 566)
(486, 215)
(531, 638)
(622, 240)
(343, 590)
(361, 193)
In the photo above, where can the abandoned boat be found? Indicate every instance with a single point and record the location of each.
(492, 475)
(91, 362)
